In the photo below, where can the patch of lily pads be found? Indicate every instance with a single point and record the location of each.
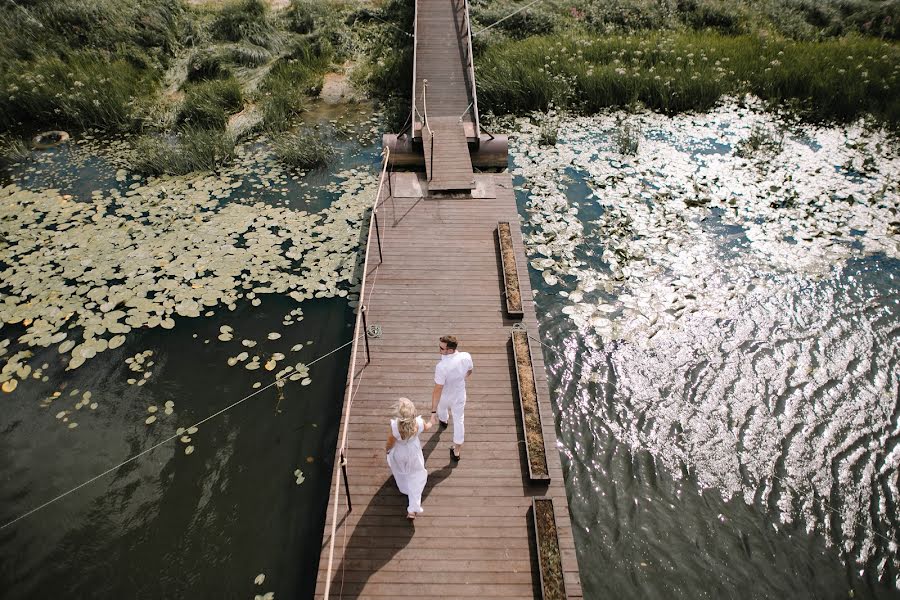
(826, 195)
(83, 274)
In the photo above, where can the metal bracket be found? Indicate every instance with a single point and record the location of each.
(373, 331)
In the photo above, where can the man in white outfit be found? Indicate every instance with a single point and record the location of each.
(449, 393)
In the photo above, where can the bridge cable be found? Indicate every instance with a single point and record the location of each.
(163, 442)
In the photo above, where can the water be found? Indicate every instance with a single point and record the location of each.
(722, 345)
(173, 524)
(723, 359)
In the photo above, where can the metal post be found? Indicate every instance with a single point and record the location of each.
(378, 236)
(366, 334)
(346, 483)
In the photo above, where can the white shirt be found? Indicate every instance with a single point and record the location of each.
(451, 373)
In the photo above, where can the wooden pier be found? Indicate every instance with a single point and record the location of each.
(433, 268)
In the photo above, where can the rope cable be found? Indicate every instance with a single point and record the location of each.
(162, 443)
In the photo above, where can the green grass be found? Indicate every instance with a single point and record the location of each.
(672, 72)
(83, 63)
(82, 90)
(306, 149)
(190, 150)
(246, 21)
(13, 149)
(286, 89)
(208, 104)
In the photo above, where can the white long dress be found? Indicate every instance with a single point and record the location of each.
(408, 465)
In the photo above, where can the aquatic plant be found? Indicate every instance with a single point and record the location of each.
(627, 138)
(192, 149)
(762, 140)
(305, 149)
(13, 149)
(209, 103)
(674, 72)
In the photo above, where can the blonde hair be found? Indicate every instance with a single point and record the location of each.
(405, 413)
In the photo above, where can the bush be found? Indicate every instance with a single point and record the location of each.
(191, 150)
(306, 149)
(208, 104)
(301, 16)
(720, 15)
(629, 15)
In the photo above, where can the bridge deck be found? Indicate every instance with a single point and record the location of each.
(442, 59)
(441, 274)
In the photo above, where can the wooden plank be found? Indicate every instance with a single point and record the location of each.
(476, 519)
(447, 159)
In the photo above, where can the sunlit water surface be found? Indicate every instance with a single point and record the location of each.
(722, 342)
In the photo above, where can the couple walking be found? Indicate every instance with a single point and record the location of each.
(448, 399)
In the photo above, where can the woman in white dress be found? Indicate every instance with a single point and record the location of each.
(404, 454)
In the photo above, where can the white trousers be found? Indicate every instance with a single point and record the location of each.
(457, 411)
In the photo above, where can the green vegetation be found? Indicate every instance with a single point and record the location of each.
(291, 81)
(387, 72)
(209, 103)
(75, 64)
(306, 149)
(190, 150)
(246, 21)
(837, 79)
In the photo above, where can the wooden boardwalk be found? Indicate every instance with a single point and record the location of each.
(442, 58)
(442, 275)
(447, 160)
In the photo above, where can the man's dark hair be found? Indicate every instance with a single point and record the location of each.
(450, 340)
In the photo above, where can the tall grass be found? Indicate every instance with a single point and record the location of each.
(673, 72)
(83, 90)
(76, 63)
(285, 90)
(246, 21)
(190, 150)
(306, 149)
(208, 104)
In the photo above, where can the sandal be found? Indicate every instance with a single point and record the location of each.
(410, 516)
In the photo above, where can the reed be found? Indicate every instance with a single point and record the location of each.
(305, 149)
(192, 149)
(84, 90)
(208, 104)
(840, 79)
(285, 91)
